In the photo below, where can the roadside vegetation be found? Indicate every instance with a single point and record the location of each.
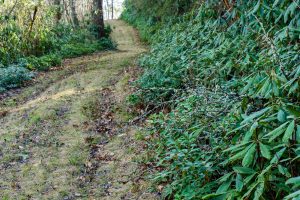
(222, 83)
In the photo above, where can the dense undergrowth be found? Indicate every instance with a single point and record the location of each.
(230, 73)
(41, 42)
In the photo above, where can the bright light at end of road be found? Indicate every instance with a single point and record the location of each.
(112, 8)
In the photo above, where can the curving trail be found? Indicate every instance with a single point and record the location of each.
(62, 137)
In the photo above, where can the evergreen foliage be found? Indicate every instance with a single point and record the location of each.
(13, 76)
(229, 71)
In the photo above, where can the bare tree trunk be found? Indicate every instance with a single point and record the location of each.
(107, 9)
(98, 17)
(112, 9)
(73, 12)
(66, 9)
(33, 19)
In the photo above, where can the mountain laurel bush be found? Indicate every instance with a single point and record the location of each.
(13, 76)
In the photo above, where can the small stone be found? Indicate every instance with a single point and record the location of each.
(77, 195)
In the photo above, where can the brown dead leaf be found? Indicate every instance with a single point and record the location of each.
(160, 188)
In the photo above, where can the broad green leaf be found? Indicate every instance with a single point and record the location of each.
(278, 19)
(244, 170)
(224, 187)
(292, 8)
(284, 171)
(278, 155)
(275, 3)
(289, 132)
(247, 87)
(236, 129)
(249, 157)
(278, 146)
(225, 177)
(259, 191)
(265, 87)
(240, 154)
(265, 150)
(296, 158)
(295, 180)
(282, 78)
(255, 9)
(255, 115)
(275, 88)
(286, 16)
(248, 136)
(250, 189)
(249, 133)
(210, 196)
(239, 182)
(264, 171)
(298, 134)
(281, 116)
(236, 147)
(294, 87)
(293, 195)
(276, 132)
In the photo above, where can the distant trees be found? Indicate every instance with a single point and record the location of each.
(38, 34)
(75, 11)
(109, 9)
(26, 25)
(159, 9)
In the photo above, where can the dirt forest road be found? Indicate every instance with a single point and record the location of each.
(62, 137)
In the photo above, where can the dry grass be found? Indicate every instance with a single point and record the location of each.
(43, 135)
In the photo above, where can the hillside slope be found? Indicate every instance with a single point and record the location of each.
(225, 76)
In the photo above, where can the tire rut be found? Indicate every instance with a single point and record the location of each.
(60, 138)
